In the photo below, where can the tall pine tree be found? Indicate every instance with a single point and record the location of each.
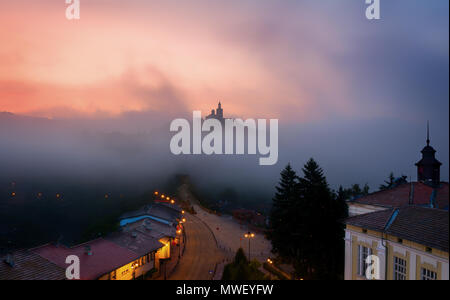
(281, 214)
(320, 231)
(306, 223)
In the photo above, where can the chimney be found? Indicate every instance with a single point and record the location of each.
(411, 194)
(88, 250)
(9, 260)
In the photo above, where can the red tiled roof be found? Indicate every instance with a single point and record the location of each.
(374, 221)
(442, 197)
(30, 266)
(425, 226)
(106, 257)
(420, 193)
(135, 241)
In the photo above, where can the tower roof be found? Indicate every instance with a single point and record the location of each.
(428, 152)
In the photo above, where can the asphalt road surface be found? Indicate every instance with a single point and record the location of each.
(201, 254)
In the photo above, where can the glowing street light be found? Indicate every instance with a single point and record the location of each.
(172, 201)
(249, 235)
(156, 193)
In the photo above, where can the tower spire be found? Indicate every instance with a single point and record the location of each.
(428, 168)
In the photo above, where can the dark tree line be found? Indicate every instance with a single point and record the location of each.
(393, 181)
(306, 223)
(354, 191)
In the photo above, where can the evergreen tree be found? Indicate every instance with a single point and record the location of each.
(306, 223)
(392, 181)
(281, 217)
(388, 183)
(312, 207)
(354, 191)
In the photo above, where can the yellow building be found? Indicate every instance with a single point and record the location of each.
(408, 243)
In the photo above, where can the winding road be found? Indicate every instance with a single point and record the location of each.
(201, 254)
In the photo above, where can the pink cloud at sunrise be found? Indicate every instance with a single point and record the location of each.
(141, 56)
(261, 58)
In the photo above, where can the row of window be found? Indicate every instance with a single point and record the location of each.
(400, 266)
(148, 258)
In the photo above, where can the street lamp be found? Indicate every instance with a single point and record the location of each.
(179, 231)
(249, 236)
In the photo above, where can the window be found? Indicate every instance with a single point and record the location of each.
(399, 268)
(151, 257)
(428, 274)
(363, 253)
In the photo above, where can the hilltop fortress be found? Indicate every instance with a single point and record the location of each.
(218, 135)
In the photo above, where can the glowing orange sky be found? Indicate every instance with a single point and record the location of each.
(260, 58)
(116, 59)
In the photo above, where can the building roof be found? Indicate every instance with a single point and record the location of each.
(135, 241)
(174, 206)
(442, 196)
(157, 210)
(374, 221)
(425, 226)
(106, 256)
(30, 266)
(153, 228)
(136, 213)
(164, 213)
(414, 193)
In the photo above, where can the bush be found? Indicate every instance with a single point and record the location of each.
(242, 269)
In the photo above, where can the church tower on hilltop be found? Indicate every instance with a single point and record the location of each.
(429, 168)
(217, 114)
(219, 111)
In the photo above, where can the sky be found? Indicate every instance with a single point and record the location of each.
(355, 93)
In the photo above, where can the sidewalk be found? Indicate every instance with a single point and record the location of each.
(230, 236)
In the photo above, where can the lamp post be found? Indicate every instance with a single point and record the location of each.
(249, 236)
(179, 232)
